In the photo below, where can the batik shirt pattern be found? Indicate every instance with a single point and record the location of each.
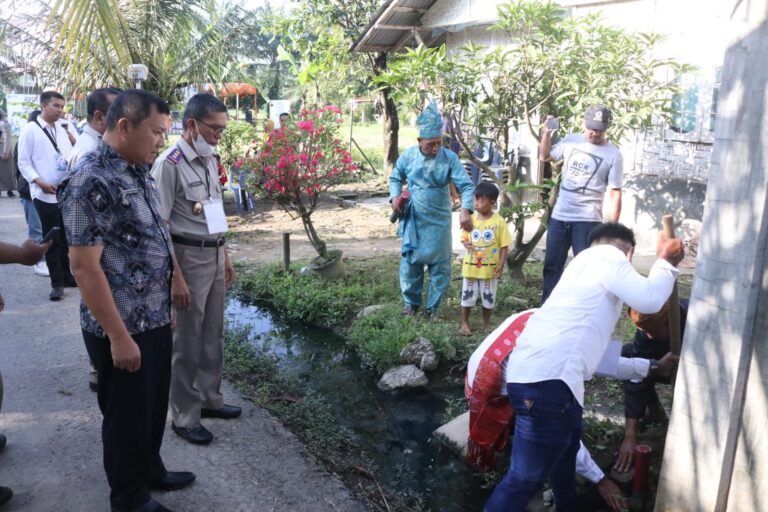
(106, 201)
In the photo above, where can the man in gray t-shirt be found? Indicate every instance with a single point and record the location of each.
(591, 166)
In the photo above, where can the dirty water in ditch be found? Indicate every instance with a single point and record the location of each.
(393, 431)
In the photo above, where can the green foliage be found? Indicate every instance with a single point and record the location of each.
(236, 142)
(309, 298)
(89, 43)
(315, 40)
(380, 336)
(556, 64)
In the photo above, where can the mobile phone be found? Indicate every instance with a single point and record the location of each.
(52, 233)
(553, 123)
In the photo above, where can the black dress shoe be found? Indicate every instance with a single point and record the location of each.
(172, 481)
(150, 506)
(195, 435)
(56, 294)
(227, 412)
(5, 495)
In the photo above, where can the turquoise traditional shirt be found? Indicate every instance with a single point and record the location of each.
(426, 222)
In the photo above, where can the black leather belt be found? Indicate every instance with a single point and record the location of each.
(194, 242)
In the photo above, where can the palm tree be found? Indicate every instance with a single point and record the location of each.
(182, 42)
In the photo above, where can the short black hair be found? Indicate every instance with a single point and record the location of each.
(98, 100)
(202, 105)
(135, 105)
(49, 95)
(284, 114)
(611, 231)
(487, 189)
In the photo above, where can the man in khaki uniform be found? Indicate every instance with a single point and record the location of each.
(191, 198)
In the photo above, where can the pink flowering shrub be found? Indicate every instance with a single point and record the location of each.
(299, 162)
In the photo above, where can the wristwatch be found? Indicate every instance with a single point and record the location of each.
(653, 364)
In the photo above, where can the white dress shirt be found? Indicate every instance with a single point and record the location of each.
(39, 159)
(85, 144)
(567, 337)
(585, 464)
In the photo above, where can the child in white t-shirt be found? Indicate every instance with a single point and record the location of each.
(486, 254)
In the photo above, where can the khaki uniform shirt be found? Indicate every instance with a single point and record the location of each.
(184, 180)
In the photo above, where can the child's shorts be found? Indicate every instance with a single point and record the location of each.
(484, 288)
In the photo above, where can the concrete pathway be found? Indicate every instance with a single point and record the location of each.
(53, 458)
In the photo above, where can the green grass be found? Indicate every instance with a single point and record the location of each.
(380, 337)
(370, 135)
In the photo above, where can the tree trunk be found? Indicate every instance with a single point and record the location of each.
(520, 250)
(388, 109)
(314, 239)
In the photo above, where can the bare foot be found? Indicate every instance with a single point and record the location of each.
(464, 330)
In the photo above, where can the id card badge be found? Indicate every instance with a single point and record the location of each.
(214, 216)
(62, 166)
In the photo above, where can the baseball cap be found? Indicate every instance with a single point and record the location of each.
(597, 117)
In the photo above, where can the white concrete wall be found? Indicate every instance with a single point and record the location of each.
(716, 455)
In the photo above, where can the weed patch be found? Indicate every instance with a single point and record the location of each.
(380, 337)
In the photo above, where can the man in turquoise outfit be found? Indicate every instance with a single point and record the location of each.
(425, 218)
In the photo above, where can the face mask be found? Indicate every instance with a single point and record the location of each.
(201, 146)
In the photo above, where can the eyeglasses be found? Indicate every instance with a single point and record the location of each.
(217, 131)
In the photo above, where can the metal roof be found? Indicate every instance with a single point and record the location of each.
(395, 26)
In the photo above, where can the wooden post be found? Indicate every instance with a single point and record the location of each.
(675, 338)
(286, 252)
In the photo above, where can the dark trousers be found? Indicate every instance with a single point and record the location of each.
(544, 447)
(134, 407)
(639, 395)
(57, 257)
(562, 236)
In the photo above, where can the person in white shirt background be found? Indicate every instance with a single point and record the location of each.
(560, 348)
(44, 146)
(97, 104)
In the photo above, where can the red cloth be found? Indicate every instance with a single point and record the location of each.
(490, 413)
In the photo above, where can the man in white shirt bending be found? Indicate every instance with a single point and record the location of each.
(44, 147)
(560, 348)
(490, 412)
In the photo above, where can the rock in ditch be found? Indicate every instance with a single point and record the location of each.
(402, 377)
(422, 353)
(369, 310)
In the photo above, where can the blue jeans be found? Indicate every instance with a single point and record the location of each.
(34, 228)
(544, 447)
(561, 236)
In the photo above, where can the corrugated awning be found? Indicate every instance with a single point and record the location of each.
(395, 26)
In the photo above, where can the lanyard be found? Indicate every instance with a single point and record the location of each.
(50, 138)
(207, 177)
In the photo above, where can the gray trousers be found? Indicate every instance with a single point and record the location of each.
(199, 336)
